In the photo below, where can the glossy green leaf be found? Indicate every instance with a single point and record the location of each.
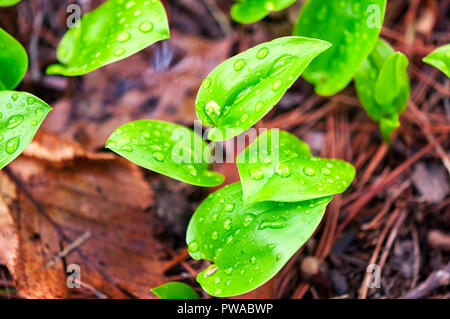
(112, 32)
(21, 114)
(7, 3)
(13, 61)
(241, 90)
(383, 87)
(352, 26)
(175, 290)
(248, 244)
(249, 11)
(166, 148)
(286, 173)
(440, 59)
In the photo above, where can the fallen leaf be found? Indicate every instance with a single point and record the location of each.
(45, 207)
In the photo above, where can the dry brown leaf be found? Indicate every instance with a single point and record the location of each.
(49, 147)
(45, 207)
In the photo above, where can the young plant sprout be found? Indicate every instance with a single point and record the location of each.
(7, 3)
(175, 290)
(13, 61)
(383, 87)
(287, 172)
(244, 88)
(440, 59)
(249, 242)
(352, 27)
(166, 148)
(249, 11)
(21, 116)
(112, 32)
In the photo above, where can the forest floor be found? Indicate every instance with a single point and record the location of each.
(126, 225)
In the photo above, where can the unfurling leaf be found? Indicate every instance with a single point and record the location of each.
(352, 27)
(13, 61)
(166, 148)
(241, 90)
(279, 167)
(383, 87)
(175, 290)
(7, 3)
(21, 114)
(249, 11)
(112, 32)
(248, 244)
(440, 59)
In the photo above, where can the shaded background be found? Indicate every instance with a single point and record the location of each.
(126, 225)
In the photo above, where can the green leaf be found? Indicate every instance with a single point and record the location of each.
(440, 59)
(352, 27)
(13, 61)
(249, 11)
(21, 114)
(112, 32)
(175, 290)
(383, 87)
(288, 174)
(241, 90)
(166, 148)
(248, 244)
(7, 3)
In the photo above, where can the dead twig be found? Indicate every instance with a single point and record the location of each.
(63, 253)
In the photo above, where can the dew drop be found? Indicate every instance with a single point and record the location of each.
(253, 260)
(278, 223)
(12, 145)
(214, 235)
(262, 53)
(158, 156)
(212, 108)
(325, 171)
(276, 85)
(309, 171)
(259, 106)
(229, 207)
(130, 4)
(123, 36)
(126, 148)
(206, 83)
(227, 224)
(119, 52)
(228, 271)
(193, 246)
(146, 27)
(248, 219)
(239, 64)
(256, 174)
(283, 171)
(14, 121)
(191, 170)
